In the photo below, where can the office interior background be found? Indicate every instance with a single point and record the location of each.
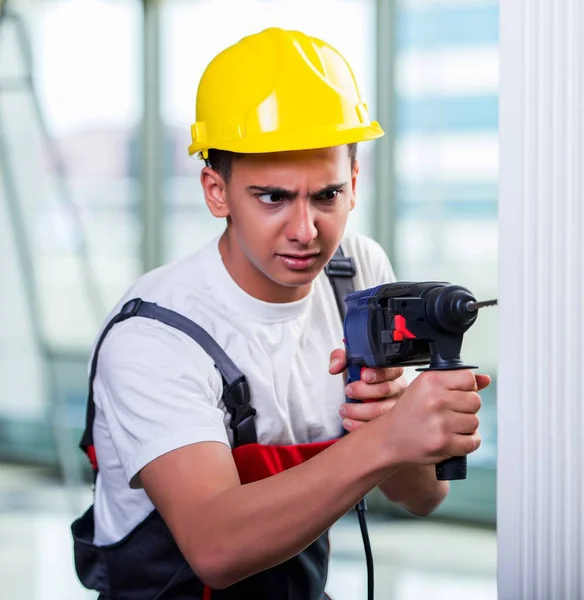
(96, 187)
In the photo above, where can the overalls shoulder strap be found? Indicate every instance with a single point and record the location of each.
(235, 388)
(341, 270)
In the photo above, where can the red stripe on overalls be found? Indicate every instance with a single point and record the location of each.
(256, 461)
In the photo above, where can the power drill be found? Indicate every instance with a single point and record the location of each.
(407, 324)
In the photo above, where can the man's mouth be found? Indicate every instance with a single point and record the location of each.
(298, 261)
(297, 255)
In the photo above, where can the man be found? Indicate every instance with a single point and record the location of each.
(205, 490)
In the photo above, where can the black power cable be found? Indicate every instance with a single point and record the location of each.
(361, 508)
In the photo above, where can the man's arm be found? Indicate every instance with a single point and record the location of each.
(416, 489)
(228, 531)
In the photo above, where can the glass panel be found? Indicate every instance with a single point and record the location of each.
(446, 164)
(188, 46)
(68, 189)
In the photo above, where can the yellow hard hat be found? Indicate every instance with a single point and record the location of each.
(279, 90)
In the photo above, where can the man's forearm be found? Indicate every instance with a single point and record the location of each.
(258, 525)
(416, 489)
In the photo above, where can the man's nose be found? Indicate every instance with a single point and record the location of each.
(301, 225)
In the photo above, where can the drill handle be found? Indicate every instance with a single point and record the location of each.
(353, 374)
(451, 469)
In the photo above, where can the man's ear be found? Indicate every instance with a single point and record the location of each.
(354, 174)
(214, 190)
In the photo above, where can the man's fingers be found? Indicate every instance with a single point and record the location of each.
(463, 402)
(366, 411)
(464, 424)
(465, 444)
(351, 425)
(381, 374)
(338, 361)
(359, 390)
(464, 380)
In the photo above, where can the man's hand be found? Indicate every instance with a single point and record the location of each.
(415, 487)
(378, 391)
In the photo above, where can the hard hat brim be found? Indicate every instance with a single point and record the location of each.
(283, 141)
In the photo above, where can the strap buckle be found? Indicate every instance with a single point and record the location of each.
(341, 266)
(236, 400)
(131, 307)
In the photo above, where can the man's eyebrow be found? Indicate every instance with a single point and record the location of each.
(333, 187)
(272, 189)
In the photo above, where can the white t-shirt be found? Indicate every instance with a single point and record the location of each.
(157, 390)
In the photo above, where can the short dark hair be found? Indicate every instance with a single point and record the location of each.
(222, 160)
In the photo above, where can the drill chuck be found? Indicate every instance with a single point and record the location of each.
(450, 309)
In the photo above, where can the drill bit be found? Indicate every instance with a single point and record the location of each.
(477, 305)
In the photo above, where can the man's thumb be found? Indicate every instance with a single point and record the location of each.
(483, 381)
(338, 362)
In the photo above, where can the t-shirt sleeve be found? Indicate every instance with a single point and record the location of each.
(158, 390)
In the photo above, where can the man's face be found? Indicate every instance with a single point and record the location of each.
(287, 214)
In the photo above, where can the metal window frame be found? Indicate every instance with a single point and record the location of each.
(152, 141)
(384, 200)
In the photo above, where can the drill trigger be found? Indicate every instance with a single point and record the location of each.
(401, 330)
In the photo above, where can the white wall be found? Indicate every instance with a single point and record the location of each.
(541, 327)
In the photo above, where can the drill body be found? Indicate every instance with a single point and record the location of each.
(410, 324)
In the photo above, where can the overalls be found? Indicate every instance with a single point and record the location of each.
(147, 564)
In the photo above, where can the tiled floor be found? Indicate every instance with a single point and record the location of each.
(414, 559)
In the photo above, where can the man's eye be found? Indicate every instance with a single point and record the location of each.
(270, 198)
(329, 195)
